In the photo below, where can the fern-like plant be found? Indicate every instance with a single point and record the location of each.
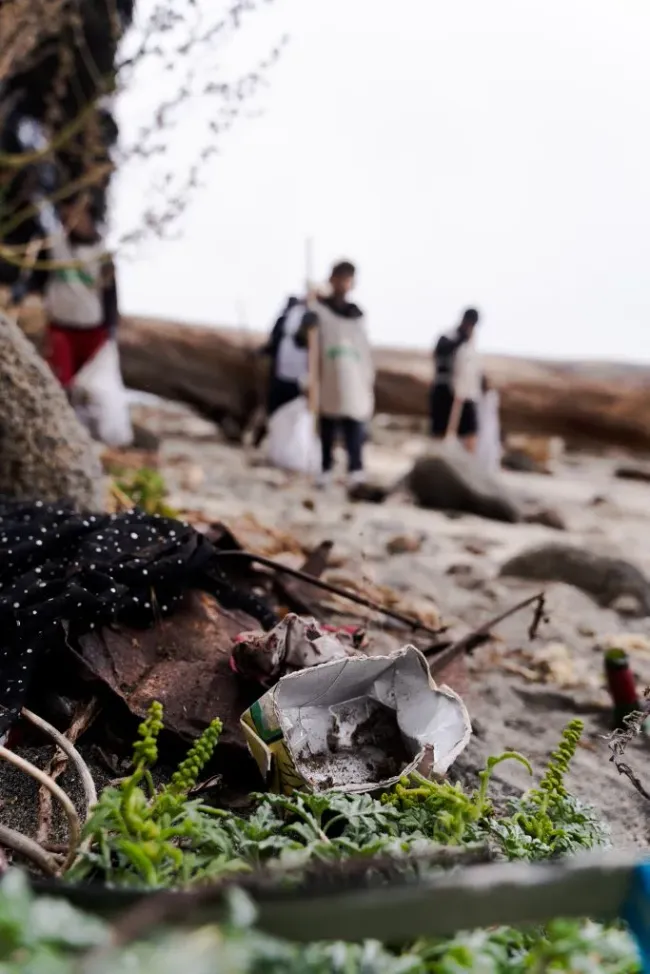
(441, 811)
(137, 835)
(547, 821)
(147, 489)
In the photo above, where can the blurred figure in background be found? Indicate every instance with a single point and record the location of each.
(79, 290)
(456, 389)
(289, 361)
(488, 447)
(345, 371)
(76, 276)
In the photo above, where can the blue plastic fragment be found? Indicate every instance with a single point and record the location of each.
(636, 911)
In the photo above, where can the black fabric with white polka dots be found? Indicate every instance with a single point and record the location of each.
(58, 566)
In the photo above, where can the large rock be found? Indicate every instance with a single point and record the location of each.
(451, 479)
(607, 580)
(45, 452)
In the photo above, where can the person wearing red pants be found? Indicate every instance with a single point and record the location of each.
(79, 298)
(79, 292)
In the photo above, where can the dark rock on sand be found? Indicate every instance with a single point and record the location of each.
(641, 474)
(450, 479)
(522, 462)
(606, 579)
(404, 544)
(368, 493)
(548, 517)
(144, 439)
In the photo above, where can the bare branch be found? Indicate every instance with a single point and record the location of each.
(62, 60)
(620, 741)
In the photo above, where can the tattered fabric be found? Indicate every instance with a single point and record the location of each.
(61, 569)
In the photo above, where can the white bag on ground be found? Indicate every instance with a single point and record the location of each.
(488, 447)
(292, 440)
(100, 398)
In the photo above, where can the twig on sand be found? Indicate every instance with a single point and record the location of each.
(539, 616)
(413, 624)
(44, 779)
(29, 849)
(619, 741)
(83, 718)
(121, 500)
(439, 661)
(625, 769)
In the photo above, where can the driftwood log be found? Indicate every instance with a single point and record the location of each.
(45, 452)
(219, 374)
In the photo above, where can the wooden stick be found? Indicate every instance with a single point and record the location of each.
(413, 624)
(473, 639)
(313, 342)
(314, 372)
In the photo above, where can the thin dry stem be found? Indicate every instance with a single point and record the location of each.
(29, 849)
(181, 39)
(622, 738)
(44, 779)
(59, 763)
(481, 635)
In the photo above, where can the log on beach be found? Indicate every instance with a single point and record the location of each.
(218, 373)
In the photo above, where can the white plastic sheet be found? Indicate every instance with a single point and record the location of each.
(292, 441)
(100, 398)
(488, 447)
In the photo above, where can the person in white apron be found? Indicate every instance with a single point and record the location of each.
(79, 291)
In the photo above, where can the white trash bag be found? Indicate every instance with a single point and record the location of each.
(488, 447)
(292, 440)
(100, 398)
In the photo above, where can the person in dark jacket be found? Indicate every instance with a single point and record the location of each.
(456, 388)
(289, 364)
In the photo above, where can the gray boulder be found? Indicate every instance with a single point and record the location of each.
(45, 452)
(451, 479)
(606, 580)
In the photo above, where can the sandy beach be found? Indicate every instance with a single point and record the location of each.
(442, 568)
(520, 694)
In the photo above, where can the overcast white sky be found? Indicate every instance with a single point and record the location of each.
(487, 152)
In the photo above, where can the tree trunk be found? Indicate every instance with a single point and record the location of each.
(217, 372)
(45, 452)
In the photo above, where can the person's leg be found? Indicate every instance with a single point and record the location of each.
(86, 342)
(59, 355)
(468, 427)
(281, 392)
(327, 439)
(470, 443)
(353, 433)
(440, 403)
